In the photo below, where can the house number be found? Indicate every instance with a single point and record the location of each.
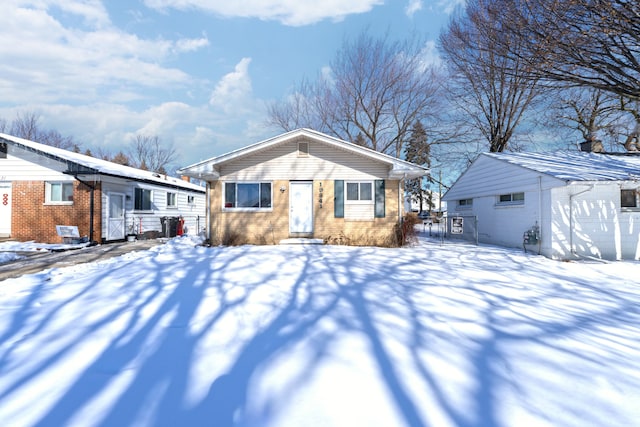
(5, 199)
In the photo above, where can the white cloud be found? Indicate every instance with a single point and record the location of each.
(190, 45)
(413, 7)
(234, 89)
(430, 54)
(54, 63)
(449, 6)
(288, 12)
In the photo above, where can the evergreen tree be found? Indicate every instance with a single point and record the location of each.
(418, 151)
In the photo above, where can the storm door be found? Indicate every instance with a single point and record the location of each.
(115, 221)
(300, 207)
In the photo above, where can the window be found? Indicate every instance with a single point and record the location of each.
(511, 199)
(359, 192)
(465, 203)
(172, 200)
(191, 200)
(628, 199)
(247, 195)
(3, 150)
(59, 192)
(142, 200)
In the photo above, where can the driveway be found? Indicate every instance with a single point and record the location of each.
(38, 261)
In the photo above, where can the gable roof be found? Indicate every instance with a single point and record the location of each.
(576, 165)
(80, 164)
(209, 169)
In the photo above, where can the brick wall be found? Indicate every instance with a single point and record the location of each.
(32, 219)
(271, 227)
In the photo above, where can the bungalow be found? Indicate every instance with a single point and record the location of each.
(304, 184)
(42, 187)
(564, 205)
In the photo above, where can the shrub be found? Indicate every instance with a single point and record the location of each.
(405, 232)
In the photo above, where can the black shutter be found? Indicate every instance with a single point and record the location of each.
(338, 199)
(379, 195)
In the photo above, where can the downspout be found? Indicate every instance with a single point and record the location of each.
(91, 207)
(401, 198)
(571, 196)
(539, 213)
(208, 212)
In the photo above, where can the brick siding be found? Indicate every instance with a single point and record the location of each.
(271, 227)
(32, 219)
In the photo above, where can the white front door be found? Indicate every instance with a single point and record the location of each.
(115, 221)
(5, 209)
(301, 207)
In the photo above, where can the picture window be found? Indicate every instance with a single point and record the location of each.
(256, 195)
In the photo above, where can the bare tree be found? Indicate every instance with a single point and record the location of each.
(632, 141)
(147, 152)
(376, 90)
(591, 113)
(593, 43)
(26, 125)
(492, 91)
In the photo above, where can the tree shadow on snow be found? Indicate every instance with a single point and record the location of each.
(411, 310)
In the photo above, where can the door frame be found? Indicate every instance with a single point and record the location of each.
(306, 231)
(6, 189)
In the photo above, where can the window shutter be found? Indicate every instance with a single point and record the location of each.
(338, 199)
(379, 195)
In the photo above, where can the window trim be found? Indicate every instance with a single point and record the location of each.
(226, 208)
(514, 199)
(173, 205)
(359, 201)
(135, 198)
(47, 193)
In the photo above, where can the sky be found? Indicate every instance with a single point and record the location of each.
(439, 334)
(197, 73)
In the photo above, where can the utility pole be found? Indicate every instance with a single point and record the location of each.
(440, 191)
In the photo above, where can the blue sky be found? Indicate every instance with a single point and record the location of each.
(197, 73)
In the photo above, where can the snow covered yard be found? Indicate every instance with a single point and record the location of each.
(431, 335)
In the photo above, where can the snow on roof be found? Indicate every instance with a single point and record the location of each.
(576, 165)
(100, 166)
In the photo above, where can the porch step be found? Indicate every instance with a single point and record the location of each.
(301, 241)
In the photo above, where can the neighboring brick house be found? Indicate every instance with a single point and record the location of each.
(42, 187)
(304, 184)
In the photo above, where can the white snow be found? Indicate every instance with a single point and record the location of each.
(577, 165)
(312, 335)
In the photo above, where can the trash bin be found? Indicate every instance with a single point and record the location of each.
(169, 225)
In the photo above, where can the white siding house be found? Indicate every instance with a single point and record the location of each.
(43, 186)
(581, 204)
